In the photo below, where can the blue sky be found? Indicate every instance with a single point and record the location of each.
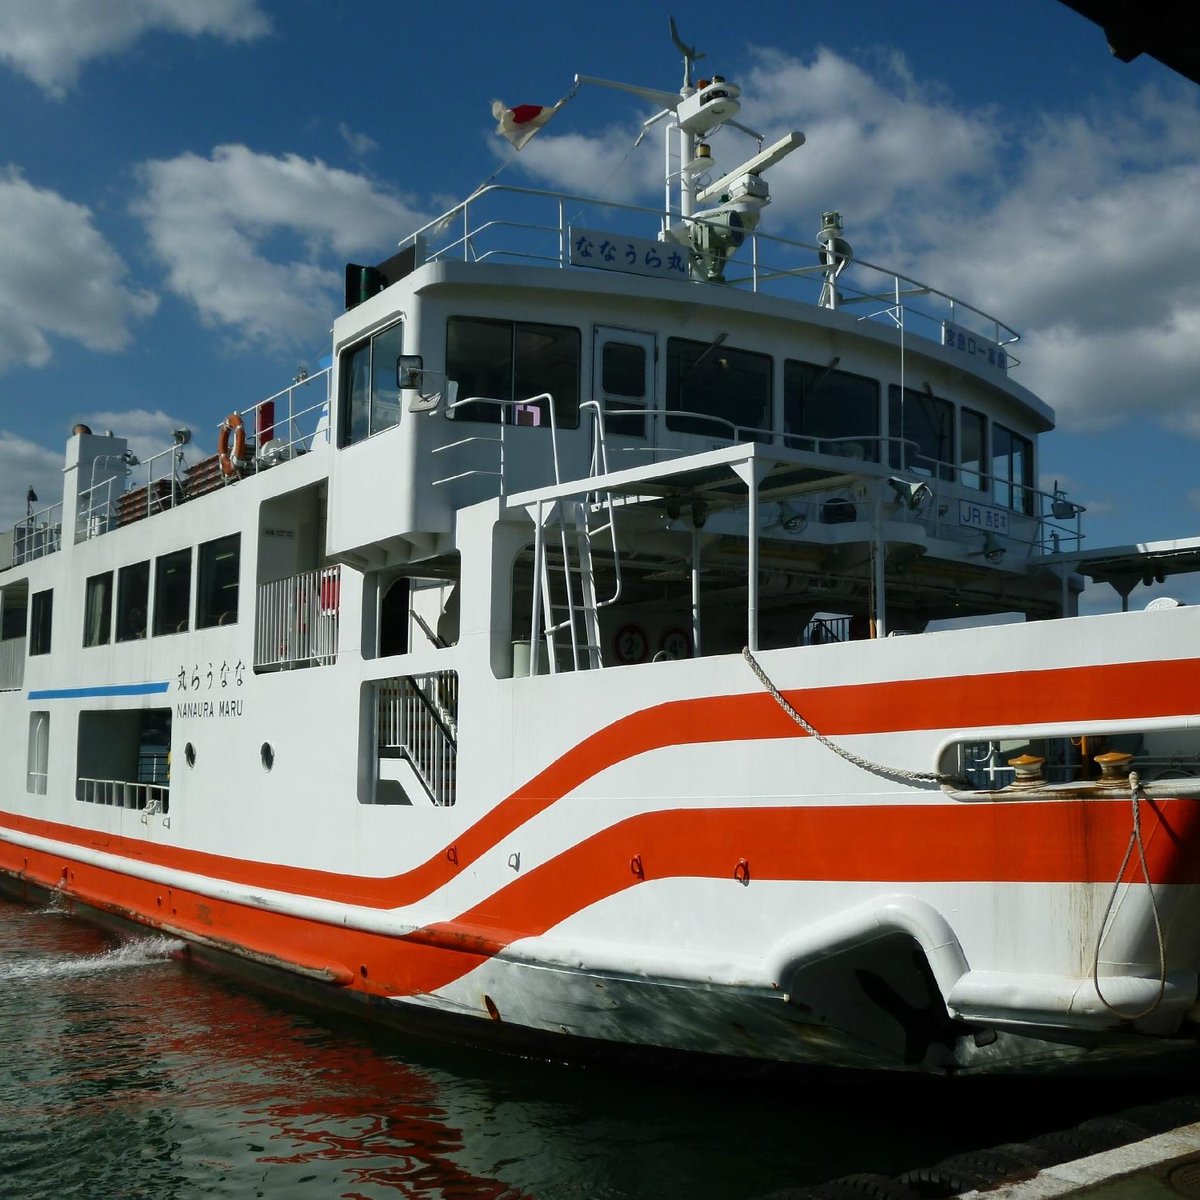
(181, 184)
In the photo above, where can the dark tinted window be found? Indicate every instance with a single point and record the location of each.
(973, 431)
(712, 380)
(925, 425)
(833, 412)
(217, 582)
(97, 610)
(133, 601)
(1012, 469)
(41, 615)
(172, 592)
(514, 360)
(370, 395)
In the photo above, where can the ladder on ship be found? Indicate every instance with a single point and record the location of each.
(566, 606)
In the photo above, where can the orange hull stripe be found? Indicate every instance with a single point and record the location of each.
(1079, 694)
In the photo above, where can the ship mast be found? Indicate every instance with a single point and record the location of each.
(699, 109)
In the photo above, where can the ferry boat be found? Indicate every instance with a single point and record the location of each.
(645, 633)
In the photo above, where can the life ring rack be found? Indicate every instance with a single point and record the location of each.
(231, 444)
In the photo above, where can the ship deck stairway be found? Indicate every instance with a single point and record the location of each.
(567, 604)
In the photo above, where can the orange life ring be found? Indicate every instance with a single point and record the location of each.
(231, 460)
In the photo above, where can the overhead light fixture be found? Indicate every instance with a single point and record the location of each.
(992, 549)
(181, 437)
(791, 519)
(911, 494)
(1062, 509)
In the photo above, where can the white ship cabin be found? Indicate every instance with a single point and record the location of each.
(543, 447)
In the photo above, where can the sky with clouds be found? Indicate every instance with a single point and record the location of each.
(181, 185)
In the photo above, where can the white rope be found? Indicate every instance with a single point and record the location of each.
(1135, 839)
(865, 763)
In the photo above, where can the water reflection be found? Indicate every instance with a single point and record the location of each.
(127, 1073)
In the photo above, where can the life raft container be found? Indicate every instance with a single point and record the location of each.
(231, 444)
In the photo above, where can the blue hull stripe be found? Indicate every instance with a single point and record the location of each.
(112, 689)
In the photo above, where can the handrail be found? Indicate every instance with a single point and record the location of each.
(499, 439)
(891, 284)
(37, 535)
(123, 793)
(296, 620)
(425, 741)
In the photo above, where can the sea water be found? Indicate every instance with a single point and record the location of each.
(127, 1071)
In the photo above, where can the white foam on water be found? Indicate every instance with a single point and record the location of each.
(138, 952)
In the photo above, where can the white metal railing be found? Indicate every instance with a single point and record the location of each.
(12, 664)
(296, 620)
(119, 793)
(37, 535)
(282, 427)
(500, 222)
(417, 719)
(508, 412)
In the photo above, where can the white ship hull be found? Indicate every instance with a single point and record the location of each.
(428, 691)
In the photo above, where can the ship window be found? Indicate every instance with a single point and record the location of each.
(41, 616)
(12, 618)
(370, 393)
(718, 391)
(831, 412)
(217, 582)
(38, 760)
(973, 431)
(921, 427)
(97, 612)
(514, 361)
(622, 380)
(1012, 469)
(133, 601)
(172, 592)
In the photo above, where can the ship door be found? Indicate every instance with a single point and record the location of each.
(623, 374)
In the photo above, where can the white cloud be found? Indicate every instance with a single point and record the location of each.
(359, 144)
(49, 41)
(1090, 248)
(24, 464)
(217, 225)
(58, 277)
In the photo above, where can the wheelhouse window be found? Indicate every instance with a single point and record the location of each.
(41, 618)
(513, 361)
(973, 457)
(97, 611)
(830, 411)
(718, 391)
(133, 601)
(172, 592)
(921, 427)
(1012, 469)
(370, 401)
(217, 582)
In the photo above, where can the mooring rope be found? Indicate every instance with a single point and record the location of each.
(1135, 839)
(865, 763)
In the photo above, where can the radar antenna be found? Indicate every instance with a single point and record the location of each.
(689, 53)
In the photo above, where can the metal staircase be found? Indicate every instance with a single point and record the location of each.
(566, 622)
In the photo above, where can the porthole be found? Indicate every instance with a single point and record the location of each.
(189, 754)
(267, 754)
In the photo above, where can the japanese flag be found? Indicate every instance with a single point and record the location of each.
(521, 122)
